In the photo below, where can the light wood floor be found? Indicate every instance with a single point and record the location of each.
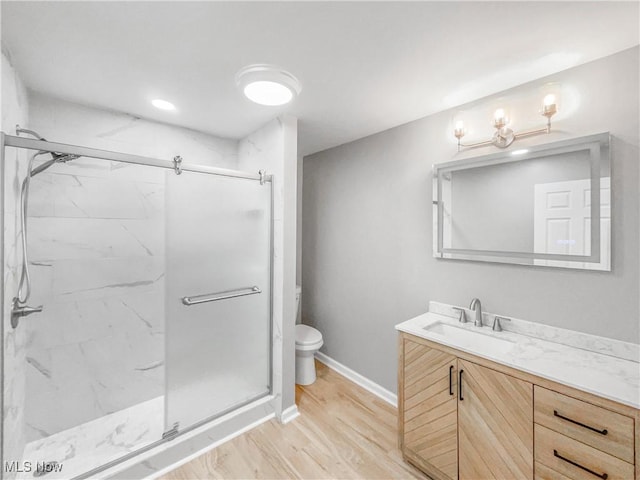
(343, 432)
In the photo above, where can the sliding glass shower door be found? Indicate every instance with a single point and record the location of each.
(218, 291)
(156, 304)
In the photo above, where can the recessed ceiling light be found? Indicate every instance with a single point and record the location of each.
(163, 104)
(267, 84)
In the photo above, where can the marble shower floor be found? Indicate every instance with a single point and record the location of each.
(99, 441)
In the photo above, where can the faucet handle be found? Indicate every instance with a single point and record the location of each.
(462, 317)
(496, 323)
(19, 310)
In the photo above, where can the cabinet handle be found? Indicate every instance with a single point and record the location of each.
(604, 476)
(450, 379)
(460, 385)
(601, 432)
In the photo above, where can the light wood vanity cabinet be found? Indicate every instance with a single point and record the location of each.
(495, 424)
(430, 409)
(460, 420)
(467, 418)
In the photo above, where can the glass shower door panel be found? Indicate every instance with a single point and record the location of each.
(219, 245)
(84, 378)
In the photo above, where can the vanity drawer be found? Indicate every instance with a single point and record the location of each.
(576, 460)
(542, 472)
(596, 426)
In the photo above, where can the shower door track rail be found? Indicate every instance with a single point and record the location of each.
(32, 144)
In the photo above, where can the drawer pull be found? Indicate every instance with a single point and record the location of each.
(601, 432)
(450, 380)
(604, 476)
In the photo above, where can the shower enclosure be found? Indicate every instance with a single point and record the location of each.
(154, 278)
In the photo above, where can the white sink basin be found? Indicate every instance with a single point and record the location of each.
(464, 337)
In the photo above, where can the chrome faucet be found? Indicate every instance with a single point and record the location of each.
(476, 303)
(19, 310)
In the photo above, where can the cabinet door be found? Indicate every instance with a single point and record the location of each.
(495, 424)
(428, 394)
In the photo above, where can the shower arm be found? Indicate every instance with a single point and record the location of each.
(33, 133)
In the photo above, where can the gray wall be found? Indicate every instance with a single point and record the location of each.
(367, 259)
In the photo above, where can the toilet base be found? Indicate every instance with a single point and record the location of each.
(305, 367)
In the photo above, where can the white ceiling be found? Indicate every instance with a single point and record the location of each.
(364, 66)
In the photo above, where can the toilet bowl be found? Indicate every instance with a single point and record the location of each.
(308, 342)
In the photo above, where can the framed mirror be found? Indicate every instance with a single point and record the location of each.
(548, 205)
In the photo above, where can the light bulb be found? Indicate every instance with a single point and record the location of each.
(459, 125)
(549, 107)
(499, 118)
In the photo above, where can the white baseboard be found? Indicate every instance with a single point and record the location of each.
(358, 379)
(289, 414)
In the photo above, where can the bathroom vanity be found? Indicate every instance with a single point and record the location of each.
(478, 404)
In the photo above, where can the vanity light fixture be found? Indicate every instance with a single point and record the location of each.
(504, 136)
(267, 84)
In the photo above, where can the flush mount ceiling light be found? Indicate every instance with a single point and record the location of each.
(504, 136)
(163, 104)
(267, 84)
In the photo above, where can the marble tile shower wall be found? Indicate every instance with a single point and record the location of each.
(14, 110)
(97, 253)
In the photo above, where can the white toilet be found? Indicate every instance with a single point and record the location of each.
(308, 342)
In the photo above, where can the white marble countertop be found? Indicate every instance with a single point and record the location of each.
(604, 375)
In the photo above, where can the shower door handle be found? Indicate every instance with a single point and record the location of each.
(212, 297)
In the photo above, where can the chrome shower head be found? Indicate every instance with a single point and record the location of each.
(63, 157)
(57, 158)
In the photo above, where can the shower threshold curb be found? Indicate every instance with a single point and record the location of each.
(166, 455)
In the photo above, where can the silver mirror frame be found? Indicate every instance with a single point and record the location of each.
(594, 144)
